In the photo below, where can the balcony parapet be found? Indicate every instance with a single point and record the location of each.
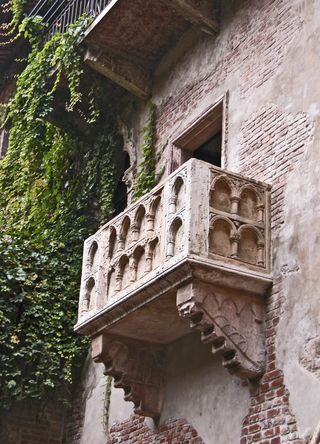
(194, 252)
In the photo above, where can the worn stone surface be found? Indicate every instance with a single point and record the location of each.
(137, 368)
(231, 323)
(140, 250)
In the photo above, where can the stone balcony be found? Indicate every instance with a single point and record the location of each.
(192, 253)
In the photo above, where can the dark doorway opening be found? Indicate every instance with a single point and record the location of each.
(210, 151)
(202, 140)
(120, 197)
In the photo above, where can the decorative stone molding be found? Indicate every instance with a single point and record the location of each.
(199, 12)
(126, 74)
(231, 323)
(137, 368)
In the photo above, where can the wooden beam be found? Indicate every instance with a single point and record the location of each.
(131, 77)
(199, 12)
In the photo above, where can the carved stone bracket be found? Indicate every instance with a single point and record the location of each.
(136, 367)
(198, 12)
(126, 74)
(230, 322)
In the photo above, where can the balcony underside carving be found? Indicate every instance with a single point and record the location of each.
(232, 323)
(194, 253)
(137, 368)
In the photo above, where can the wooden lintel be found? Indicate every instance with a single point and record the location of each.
(131, 77)
(199, 12)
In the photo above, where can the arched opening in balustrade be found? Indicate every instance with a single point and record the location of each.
(220, 237)
(111, 248)
(139, 222)
(140, 260)
(88, 301)
(123, 273)
(248, 205)
(93, 254)
(124, 234)
(249, 245)
(175, 240)
(220, 195)
(154, 247)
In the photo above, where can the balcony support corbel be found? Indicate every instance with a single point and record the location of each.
(199, 12)
(230, 322)
(137, 368)
(128, 75)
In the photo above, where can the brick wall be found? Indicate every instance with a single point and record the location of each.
(75, 419)
(272, 145)
(135, 430)
(262, 34)
(32, 422)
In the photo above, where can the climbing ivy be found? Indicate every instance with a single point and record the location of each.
(56, 188)
(146, 176)
(16, 9)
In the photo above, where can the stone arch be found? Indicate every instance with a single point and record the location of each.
(140, 261)
(251, 245)
(93, 255)
(123, 272)
(220, 233)
(124, 234)
(111, 286)
(88, 298)
(112, 241)
(153, 212)
(138, 223)
(176, 198)
(221, 193)
(153, 254)
(250, 200)
(175, 239)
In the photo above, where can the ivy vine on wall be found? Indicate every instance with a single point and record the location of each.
(56, 188)
(8, 29)
(146, 176)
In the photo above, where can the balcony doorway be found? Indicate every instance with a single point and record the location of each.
(204, 139)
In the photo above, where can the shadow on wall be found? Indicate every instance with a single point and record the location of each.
(197, 386)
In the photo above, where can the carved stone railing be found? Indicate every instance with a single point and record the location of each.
(194, 252)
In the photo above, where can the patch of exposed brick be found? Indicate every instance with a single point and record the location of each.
(272, 144)
(75, 419)
(32, 422)
(262, 34)
(135, 430)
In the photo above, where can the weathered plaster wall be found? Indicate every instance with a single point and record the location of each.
(200, 390)
(197, 387)
(87, 419)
